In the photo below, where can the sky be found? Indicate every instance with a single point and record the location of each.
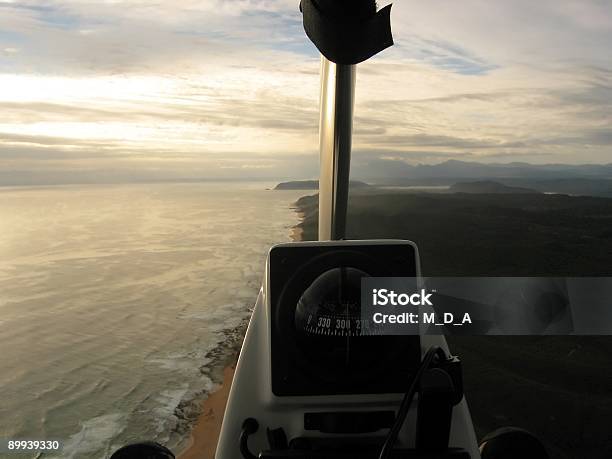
(137, 89)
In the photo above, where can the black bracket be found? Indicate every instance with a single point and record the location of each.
(249, 427)
(344, 31)
(440, 390)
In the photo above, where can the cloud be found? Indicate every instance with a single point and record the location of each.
(231, 86)
(425, 140)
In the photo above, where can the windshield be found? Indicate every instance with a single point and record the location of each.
(152, 152)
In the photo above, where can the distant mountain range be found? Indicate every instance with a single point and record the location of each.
(394, 172)
(581, 179)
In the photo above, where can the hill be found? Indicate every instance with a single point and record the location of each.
(313, 185)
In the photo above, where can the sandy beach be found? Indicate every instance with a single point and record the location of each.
(205, 433)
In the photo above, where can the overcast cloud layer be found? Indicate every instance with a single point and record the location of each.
(229, 88)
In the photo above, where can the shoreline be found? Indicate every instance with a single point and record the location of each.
(205, 433)
(202, 442)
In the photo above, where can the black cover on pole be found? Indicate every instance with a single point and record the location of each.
(347, 39)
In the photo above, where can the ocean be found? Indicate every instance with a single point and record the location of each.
(119, 303)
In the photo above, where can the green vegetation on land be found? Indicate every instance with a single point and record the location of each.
(556, 386)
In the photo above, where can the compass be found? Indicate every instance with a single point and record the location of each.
(331, 305)
(321, 344)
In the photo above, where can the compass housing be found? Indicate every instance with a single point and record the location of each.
(318, 342)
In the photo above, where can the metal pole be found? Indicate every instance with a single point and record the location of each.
(335, 139)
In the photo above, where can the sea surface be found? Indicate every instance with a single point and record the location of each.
(117, 301)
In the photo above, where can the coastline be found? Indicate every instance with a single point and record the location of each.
(202, 443)
(297, 232)
(206, 426)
